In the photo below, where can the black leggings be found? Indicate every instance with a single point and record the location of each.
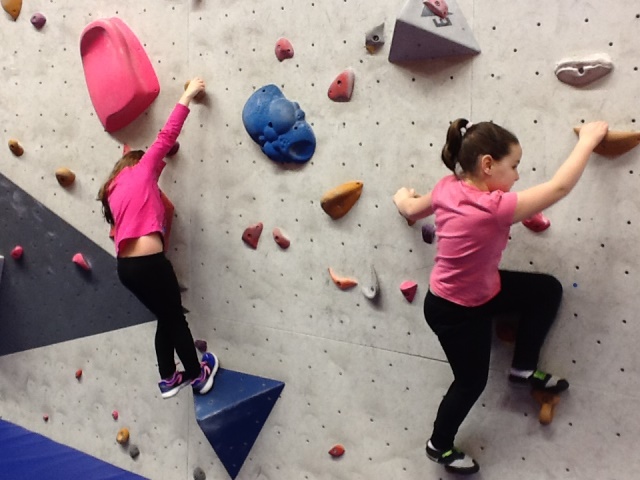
(152, 280)
(465, 335)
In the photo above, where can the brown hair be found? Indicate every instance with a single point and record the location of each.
(129, 159)
(465, 146)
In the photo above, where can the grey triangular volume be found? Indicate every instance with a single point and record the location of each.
(419, 34)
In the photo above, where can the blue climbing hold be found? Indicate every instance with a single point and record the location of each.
(232, 414)
(278, 126)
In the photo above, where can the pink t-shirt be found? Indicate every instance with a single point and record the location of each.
(472, 227)
(134, 195)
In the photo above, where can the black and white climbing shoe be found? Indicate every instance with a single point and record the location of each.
(454, 460)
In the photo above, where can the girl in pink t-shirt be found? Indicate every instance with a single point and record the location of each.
(474, 210)
(132, 205)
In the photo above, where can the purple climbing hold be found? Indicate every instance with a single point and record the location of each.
(38, 20)
(201, 345)
(428, 233)
(174, 149)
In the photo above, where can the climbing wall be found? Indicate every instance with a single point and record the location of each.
(367, 375)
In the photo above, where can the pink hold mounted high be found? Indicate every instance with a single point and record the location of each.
(409, 289)
(251, 235)
(437, 7)
(284, 49)
(342, 87)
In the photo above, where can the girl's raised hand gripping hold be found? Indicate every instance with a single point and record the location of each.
(195, 86)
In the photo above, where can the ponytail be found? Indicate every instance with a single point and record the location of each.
(451, 149)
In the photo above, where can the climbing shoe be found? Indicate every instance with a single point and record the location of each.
(540, 381)
(454, 460)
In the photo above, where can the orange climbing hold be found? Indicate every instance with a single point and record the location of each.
(281, 239)
(123, 436)
(616, 142)
(16, 148)
(338, 201)
(409, 289)
(79, 374)
(12, 7)
(344, 283)
(79, 260)
(342, 87)
(337, 451)
(251, 235)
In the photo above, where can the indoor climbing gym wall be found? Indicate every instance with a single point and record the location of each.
(295, 266)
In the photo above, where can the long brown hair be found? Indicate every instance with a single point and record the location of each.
(466, 142)
(129, 159)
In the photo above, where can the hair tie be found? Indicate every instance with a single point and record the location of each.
(466, 128)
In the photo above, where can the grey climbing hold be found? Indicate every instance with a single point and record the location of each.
(374, 39)
(420, 34)
(198, 474)
(370, 290)
(134, 451)
(583, 71)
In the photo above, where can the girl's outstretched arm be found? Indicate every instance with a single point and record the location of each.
(538, 198)
(411, 205)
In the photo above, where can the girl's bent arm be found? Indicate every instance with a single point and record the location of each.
(536, 199)
(412, 206)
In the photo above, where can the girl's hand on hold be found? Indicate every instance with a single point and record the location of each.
(402, 194)
(593, 133)
(196, 85)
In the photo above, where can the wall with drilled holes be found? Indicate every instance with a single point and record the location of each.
(367, 375)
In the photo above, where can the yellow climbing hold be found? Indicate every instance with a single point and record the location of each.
(12, 7)
(338, 201)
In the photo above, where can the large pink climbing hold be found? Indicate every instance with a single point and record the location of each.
(537, 222)
(409, 289)
(437, 7)
(251, 235)
(342, 87)
(284, 49)
(281, 239)
(79, 260)
(17, 252)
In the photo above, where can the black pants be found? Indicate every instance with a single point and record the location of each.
(465, 335)
(151, 278)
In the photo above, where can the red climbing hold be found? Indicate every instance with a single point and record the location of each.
(17, 252)
(79, 260)
(79, 374)
(115, 414)
(284, 49)
(336, 451)
(45, 417)
(281, 239)
(437, 7)
(537, 223)
(409, 289)
(251, 235)
(342, 87)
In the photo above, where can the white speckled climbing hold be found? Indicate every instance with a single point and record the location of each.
(371, 289)
(583, 71)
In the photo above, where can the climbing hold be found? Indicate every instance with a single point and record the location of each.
(371, 289)
(201, 345)
(339, 200)
(409, 289)
(17, 252)
(134, 451)
(284, 49)
(125, 149)
(438, 7)
(38, 20)
(123, 436)
(343, 283)
(251, 235)
(548, 402)
(79, 260)
(12, 7)
(120, 79)
(174, 149)
(336, 451)
(428, 232)
(79, 374)
(45, 417)
(374, 39)
(65, 176)
(341, 88)
(1, 265)
(278, 126)
(115, 414)
(616, 142)
(15, 148)
(198, 474)
(583, 71)
(281, 239)
(537, 222)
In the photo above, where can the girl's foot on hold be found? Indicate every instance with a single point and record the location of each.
(454, 460)
(172, 385)
(208, 368)
(539, 380)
